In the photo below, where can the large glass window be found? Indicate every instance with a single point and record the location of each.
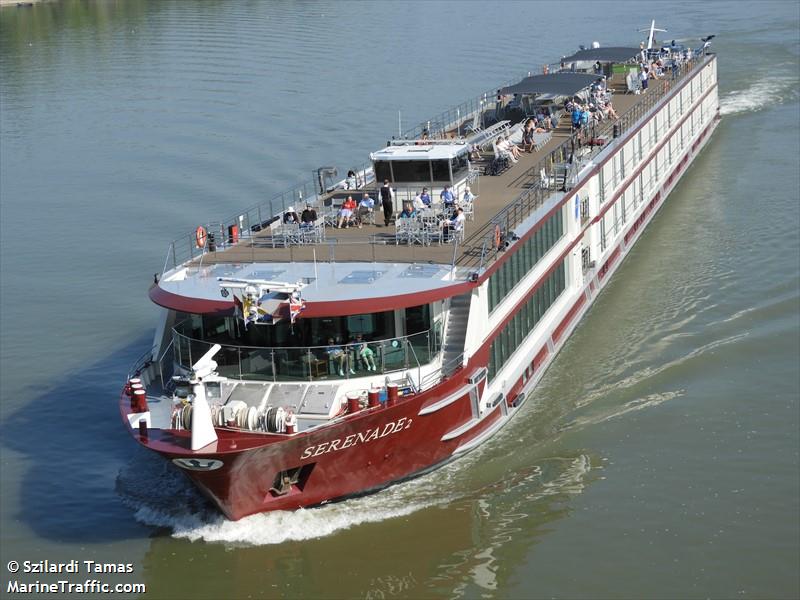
(525, 257)
(441, 170)
(412, 171)
(516, 330)
(382, 171)
(304, 332)
(460, 167)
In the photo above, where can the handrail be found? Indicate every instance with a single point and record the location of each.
(141, 362)
(160, 362)
(536, 191)
(558, 167)
(307, 363)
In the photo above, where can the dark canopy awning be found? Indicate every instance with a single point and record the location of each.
(614, 55)
(558, 84)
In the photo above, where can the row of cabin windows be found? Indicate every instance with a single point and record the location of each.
(669, 114)
(524, 258)
(526, 319)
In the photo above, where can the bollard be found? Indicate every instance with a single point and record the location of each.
(139, 401)
(391, 389)
(353, 404)
(373, 398)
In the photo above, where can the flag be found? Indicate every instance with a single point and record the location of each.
(296, 306)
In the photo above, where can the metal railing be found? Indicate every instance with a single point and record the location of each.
(255, 218)
(553, 172)
(311, 363)
(558, 170)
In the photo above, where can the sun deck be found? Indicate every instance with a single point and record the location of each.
(504, 201)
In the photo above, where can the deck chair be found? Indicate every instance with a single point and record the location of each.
(499, 162)
(469, 209)
(515, 134)
(475, 126)
(402, 231)
(415, 231)
(453, 236)
(632, 81)
(540, 139)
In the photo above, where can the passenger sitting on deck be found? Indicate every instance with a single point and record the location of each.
(366, 206)
(447, 197)
(337, 355)
(365, 353)
(528, 144)
(408, 211)
(468, 196)
(350, 182)
(309, 217)
(425, 197)
(527, 136)
(290, 217)
(505, 144)
(419, 203)
(455, 224)
(609, 111)
(346, 212)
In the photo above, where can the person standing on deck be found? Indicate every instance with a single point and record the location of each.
(447, 197)
(387, 200)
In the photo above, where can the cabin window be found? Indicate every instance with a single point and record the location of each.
(603, 234)
(460, 167)
(601, 183)
(441, 170)
(383, 171)
(412, 171)
(516, 267)
(516, 330)
(418, 319)
(641, 150)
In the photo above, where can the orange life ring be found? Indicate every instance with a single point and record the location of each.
(200, 236)
(497, 236)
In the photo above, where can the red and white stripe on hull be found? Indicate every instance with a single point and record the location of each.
(359, 453)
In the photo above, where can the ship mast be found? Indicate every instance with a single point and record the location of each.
(651, 38)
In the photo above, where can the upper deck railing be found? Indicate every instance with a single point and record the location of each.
(554, 172)
(313, 363)
(558, 170)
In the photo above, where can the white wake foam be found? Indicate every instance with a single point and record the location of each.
(762, 94)
(279, 526)
(162, 497)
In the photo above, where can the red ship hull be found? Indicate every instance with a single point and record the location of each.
(356, 454)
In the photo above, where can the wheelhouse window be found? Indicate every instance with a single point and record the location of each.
(412, 171)
(460, 166)
(383, 171)
(441, 170)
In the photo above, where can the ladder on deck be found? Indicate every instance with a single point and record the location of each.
(455, 334)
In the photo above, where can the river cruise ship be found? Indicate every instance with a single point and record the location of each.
(316, 347)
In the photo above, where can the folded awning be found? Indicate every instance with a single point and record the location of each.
(558, 84)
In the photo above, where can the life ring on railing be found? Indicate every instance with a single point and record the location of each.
(201, 236)
(497, 236)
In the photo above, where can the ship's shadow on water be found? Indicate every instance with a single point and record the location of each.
(73, 445)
